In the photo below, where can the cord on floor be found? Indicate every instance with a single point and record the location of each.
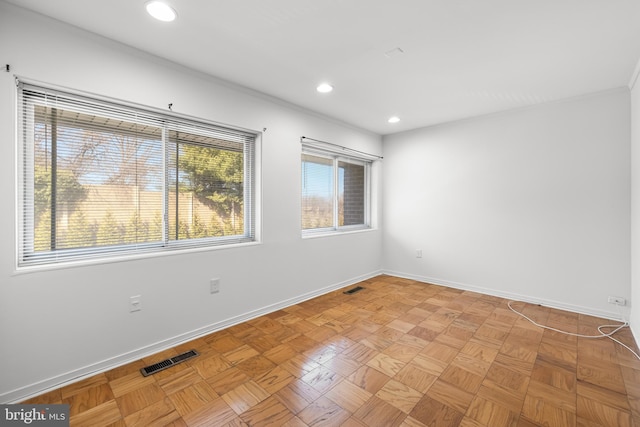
(602, 334)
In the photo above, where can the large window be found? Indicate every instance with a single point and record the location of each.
(335, 191)
(99, 178)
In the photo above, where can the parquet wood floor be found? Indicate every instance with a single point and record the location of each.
(399, 353)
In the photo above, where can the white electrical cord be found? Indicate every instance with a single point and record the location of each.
(602, 334)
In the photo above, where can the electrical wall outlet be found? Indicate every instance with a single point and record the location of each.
(214, 286)
(135, 303)
(418, 253)
(617, 301)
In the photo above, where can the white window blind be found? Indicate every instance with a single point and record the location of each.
(318, 192)
(98, 178)
(335, 191)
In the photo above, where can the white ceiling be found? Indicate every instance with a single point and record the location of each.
(462, 58)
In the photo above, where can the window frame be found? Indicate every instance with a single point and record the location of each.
(336, 157)
(26, 254)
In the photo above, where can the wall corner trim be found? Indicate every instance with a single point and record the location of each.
(634, 76)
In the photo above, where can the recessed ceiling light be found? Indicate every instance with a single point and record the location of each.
(394, 119)
(161, 11)
(324, 88)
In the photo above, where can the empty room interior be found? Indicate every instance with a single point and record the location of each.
(358, 213)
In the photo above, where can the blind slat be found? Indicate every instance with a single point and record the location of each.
(101, 179)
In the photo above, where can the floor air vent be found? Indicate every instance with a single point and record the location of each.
(354, 290)
(157, 367)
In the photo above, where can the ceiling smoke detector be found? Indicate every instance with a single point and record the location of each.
(393, 52)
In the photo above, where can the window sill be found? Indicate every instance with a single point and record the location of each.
(125, 258)
(331, 233)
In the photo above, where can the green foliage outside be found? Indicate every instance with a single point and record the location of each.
(213, 177)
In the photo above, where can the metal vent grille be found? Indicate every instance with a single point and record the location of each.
(157, 367)
(353, 290)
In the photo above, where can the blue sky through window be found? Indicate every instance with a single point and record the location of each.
(317, 178)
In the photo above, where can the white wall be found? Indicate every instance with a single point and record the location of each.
(58, 324)
(635, 204)
(531, 204)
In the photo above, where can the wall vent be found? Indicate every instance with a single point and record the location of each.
(353, 290)
(157, 367)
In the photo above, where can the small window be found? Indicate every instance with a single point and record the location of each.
(99, 179)
(335, 191)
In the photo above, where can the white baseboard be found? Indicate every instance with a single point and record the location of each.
(76, 375)
(510, 295)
